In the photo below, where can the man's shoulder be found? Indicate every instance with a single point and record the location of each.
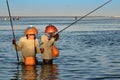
(44, 35)
(23, 38)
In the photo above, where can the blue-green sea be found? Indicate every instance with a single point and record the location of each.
(89, 49)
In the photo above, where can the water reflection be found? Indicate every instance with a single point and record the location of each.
(49, 72)
(29, 73)
(38, 72)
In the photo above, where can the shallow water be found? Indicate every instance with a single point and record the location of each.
(89, 50)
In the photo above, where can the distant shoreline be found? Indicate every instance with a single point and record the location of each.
(57, 16)
(53, 17)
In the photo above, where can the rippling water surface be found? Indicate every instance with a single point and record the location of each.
(89, 50)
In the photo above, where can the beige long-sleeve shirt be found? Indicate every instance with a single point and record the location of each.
(47, 45)
(27, 47)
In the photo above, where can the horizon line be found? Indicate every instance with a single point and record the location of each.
(58, 16)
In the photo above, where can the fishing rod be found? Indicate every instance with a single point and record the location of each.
(84, 16)
(12, 29)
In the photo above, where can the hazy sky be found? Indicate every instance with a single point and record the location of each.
(59, 7)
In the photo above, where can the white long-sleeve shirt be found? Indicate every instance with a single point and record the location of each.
(27, 47)
(47, 45)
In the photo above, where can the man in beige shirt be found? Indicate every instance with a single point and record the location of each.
(48, 39)
(28, 44)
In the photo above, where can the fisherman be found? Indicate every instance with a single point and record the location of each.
(29, 46)
(48, 39)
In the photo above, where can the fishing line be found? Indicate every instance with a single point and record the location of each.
(84, 16)
(12, 29)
